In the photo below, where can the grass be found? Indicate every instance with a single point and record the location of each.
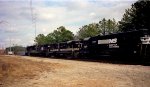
(15, 68)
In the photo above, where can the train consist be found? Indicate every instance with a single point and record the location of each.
(131, 45)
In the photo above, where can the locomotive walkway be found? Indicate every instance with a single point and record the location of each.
(72, 73)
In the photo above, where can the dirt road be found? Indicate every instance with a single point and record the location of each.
(71, 73)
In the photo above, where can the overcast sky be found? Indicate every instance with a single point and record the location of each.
(16, 20)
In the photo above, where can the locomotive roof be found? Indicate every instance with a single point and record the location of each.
(120, 34)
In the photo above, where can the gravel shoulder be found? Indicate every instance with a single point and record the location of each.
(84, 74)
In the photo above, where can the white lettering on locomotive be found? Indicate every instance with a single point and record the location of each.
(107, 41)
(103, 41)
(113, 40)
(113, 46)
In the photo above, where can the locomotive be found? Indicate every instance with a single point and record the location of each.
(131, 45)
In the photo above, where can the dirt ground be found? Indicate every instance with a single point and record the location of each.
(23, 71)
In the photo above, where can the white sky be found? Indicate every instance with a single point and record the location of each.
(50, 14)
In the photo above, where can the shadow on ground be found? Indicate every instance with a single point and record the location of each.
(107, 60)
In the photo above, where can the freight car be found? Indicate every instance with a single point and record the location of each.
(131, 45)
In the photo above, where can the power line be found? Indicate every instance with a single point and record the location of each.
(33, 17)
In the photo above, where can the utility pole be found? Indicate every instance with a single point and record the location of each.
(33, 15)
(10, 45)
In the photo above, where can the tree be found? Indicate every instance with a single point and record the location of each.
(40, 39)
(112, 26)
(88, 31)
(108, 26)
(103, 27)
(59, 35)
(137, 17)
(50, 38)
(62, 34)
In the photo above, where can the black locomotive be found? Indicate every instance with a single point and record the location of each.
(131, 45)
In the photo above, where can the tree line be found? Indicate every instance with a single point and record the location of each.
(135, 18)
